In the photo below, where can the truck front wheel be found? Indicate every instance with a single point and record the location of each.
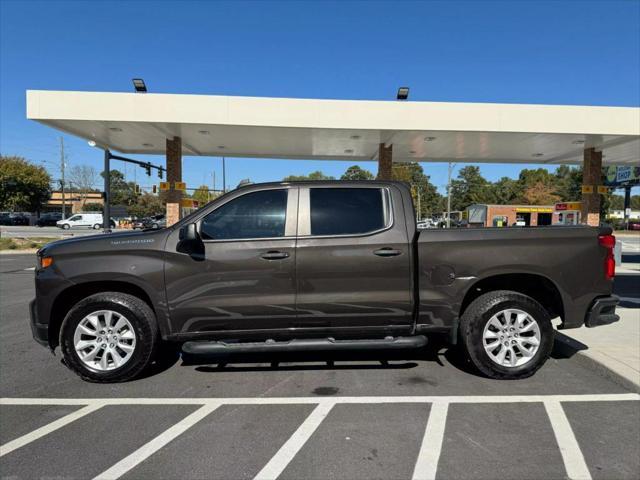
(109, 337)
(507, 335)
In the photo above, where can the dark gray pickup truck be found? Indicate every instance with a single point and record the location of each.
(312, 266)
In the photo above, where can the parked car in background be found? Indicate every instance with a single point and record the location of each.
(5, 219)
(17, 218)
(49, 219)
(83, 220)
(138, 224)
(155, 222)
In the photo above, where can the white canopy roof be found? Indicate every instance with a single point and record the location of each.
(341, 129)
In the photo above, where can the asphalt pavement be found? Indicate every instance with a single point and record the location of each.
(424, 414)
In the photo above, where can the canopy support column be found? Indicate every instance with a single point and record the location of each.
(385, 162)
(174, 174)
(591, 176)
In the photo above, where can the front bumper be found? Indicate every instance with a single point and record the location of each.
(602, 312)
(39, 331)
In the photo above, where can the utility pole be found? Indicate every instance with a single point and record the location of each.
(64, 202)
(627, 206)
(224, 177)
(451, 167)
(419, 208)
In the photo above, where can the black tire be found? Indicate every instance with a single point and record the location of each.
(480, 311)
(140, 316)
(97, 226)
(66, 226)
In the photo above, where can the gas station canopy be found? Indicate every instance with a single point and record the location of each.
(227, 126)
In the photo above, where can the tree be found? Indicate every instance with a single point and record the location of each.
(505, 191)
(568, 182)
(354, 172)
(92, 207)
(470, 187)
(83, 178)
(202, 195)
(146, 205)
(122, 192)
(317, 175)
(539, 193)
(23, 185)
(421, 188)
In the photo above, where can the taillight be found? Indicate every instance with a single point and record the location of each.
(608, 242)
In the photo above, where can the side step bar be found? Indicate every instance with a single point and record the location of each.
(388, 343)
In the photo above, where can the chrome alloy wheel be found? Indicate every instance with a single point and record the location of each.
(104, 340)
(511, 337)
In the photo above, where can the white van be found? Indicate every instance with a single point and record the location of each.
(81, 220)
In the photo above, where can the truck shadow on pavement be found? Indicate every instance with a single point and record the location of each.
(437, 351)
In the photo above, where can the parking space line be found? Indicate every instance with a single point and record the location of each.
(572, 456)
(292, 446)
(48, 428)
(427, 463)
(604, 397)
(148, 449)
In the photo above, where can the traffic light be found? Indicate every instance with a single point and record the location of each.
(148, 169)
(154, 189)
(137, 189)
(160, 173)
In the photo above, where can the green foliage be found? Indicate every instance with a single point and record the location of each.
(412, 173)
(146, 205)
(470, 187)
(317, 175)
(92, 207)
(568, 182)
(202, 195)
(354, 172)
(122, 192)
(23, 185)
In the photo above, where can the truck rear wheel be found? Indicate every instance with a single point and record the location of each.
(507, 335)
(109, 337)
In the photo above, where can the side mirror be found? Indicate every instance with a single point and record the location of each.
(189, 242)
(188, 233)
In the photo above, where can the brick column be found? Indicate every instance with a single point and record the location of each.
(174, 174)
(591, 176)
(385, 162)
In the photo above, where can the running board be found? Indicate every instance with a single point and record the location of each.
(388, 343)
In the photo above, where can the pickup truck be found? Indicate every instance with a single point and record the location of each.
(318, 266)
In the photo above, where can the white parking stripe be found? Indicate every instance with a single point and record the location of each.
(48, 428)
(427, 463)
(291, 447)
(144, 452)
(603, 397)
(572, 457)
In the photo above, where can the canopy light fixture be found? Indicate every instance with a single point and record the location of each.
(412, 152)
(537, 155)
(139, 85)
(578, 142)
(429, 139)
(403, 93)
(115, 129)
(355, 137)
(203, 132)
(147, 144)
(221, 147)
(348, 150)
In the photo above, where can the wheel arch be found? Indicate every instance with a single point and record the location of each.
(65, 301)
(536, 286)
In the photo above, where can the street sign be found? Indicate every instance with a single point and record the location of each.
(164, 186)
(180, 186)
(603, 190)
(587, 188)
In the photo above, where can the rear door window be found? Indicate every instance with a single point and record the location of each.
(347, 211)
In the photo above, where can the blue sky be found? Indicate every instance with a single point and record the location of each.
(555, 52)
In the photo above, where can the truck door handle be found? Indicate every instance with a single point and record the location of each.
(274, 255)
(387, 252)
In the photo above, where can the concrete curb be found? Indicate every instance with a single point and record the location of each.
(30, 251)
(574, 349)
